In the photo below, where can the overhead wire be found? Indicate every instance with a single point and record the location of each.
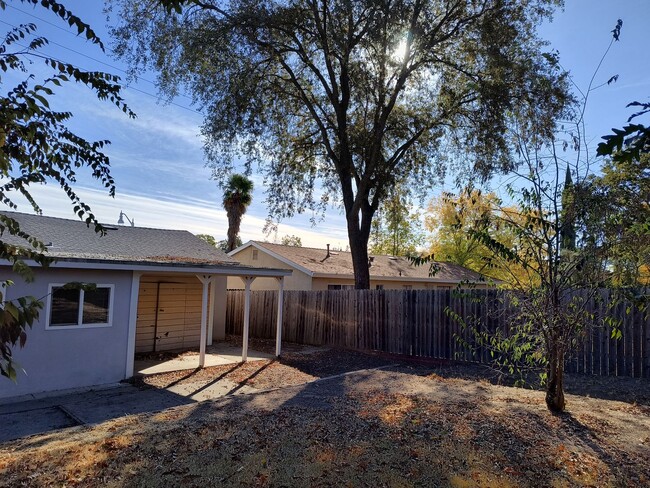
(125, 86)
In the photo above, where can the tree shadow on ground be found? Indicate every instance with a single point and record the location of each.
(369, 428)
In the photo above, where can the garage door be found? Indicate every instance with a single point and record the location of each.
(177, 323)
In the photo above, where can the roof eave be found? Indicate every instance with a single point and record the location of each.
(143, 266)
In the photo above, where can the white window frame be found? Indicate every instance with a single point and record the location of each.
(80, 324)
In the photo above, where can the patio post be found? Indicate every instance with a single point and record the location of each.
(213, 299)
(133, 323)
(278, 331)
(205, 279)
(248, 280)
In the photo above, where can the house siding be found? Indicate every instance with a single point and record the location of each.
(59, 359)
(322, 284)
(179, 317)
(298, 280)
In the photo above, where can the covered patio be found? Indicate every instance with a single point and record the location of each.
(182, 308)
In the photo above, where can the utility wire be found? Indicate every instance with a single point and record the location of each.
(95, 59)
(127, 87)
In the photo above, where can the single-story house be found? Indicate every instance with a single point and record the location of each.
(155, 290)
(324, 269)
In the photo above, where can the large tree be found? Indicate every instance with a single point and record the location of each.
(36, 147)
(351, 96)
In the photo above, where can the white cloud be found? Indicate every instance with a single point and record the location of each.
(195, 215)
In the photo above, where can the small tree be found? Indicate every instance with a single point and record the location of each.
(396, 229)
(294, 241)
(558, 230)
(36, 147)
(208, 238)
(237, 196)
(223, 244)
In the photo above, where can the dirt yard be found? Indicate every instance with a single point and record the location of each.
(407, 425)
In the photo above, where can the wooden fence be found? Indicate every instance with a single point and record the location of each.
(415, 323)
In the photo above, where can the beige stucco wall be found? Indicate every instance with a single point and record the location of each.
(297, 281)
(322, 283)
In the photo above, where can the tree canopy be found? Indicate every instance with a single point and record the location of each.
(335, 101)
(453, 220)
(36, 147)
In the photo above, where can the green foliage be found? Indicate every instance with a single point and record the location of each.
(36, 147)
(294, 241)
(208, 238)
(223, 244)
(351, 97)
(396, 230)
(621, 218)
(630, 142)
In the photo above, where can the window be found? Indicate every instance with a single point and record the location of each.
(70, 308)
(379, 287)
(254, 254)
(340, 287)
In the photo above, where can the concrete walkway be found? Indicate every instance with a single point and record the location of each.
(43, 415)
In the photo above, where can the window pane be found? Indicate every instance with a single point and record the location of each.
(65, 307)
(96, 306)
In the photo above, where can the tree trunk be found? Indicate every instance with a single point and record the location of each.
(359, 249)
(555, 379)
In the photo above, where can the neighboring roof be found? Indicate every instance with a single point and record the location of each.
(73, 239)
(315, 262)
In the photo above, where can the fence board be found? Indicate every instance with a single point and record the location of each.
(418, 323)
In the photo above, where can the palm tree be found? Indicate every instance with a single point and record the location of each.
(237, 196)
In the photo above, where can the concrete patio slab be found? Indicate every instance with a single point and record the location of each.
(43, 415)
(216, 355)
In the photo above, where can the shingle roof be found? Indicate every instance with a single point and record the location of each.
(340, 263)
(72, 239)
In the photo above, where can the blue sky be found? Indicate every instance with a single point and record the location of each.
(157, 159)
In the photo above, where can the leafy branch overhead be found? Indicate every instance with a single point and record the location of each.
(36, 147)
(633, 140)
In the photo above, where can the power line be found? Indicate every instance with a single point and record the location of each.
(86, 55)
(127, 87)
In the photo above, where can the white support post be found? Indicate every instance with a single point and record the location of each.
(248, 281)
(278, 331)
(213, 299)
(133, 320)
(205, 279)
